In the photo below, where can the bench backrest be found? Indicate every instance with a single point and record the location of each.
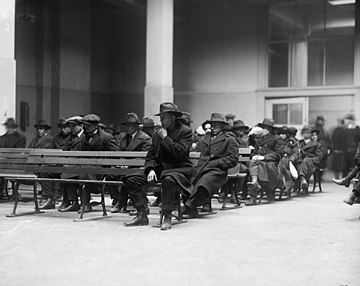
(13, 160)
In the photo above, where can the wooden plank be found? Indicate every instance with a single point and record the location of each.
(80, 170)
(14, 150)
(86, 161)
(13, 155)
(244, 150)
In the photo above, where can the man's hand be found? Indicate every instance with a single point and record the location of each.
(151, 176)
(258, 158)
(162, 132)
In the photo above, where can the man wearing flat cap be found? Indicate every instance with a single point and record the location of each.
(264, 160)
(311, 156)
(95, 140)
(62, 137)
(219, 152)
(132, 140)
(11, 139)
(168, 161)
(75, 142)
(43, 140)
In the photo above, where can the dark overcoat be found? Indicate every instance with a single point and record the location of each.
(74, 143)
(141, 142)
(170, 156)
(357, 157)
(217, 156)
(44, 142)
(60, 141)
(100, 141)
(14, 140)
(311, 156)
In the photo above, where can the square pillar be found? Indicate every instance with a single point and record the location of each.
(7, 61)
(159, 55)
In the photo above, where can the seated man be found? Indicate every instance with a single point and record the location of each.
(311, 154)
(132, 140)
(168, 160)
(219, 152)
(355, 194)
(291, 156)
(263, 167)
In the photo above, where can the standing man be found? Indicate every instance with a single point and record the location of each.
(219, 152)
(95, 140)
(168, 160)
(264, 160)
(133, 140)
(43, 140)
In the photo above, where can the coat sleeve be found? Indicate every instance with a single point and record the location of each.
(146, 143)
(150, 161)
(111, 144)
(178, 150)
(357, 157)
(232, 156)
(276, 154)
(21, 143)
(48, 143)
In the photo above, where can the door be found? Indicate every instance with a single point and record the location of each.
(288, 111)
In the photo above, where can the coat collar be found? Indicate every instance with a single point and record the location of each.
(218, 138)
(265, 139)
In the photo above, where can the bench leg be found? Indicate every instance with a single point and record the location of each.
(233, 191)
(225, 195)
(16, 198)
(320, 179)
(103, 200)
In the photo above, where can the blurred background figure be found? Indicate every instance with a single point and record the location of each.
(352, 141)
(185, 119)
(323, 134)
(199, 135)
(339, 150)
(230, 118)
(12, 138)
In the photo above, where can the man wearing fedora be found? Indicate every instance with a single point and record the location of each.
(290, 156)
(43, 140)
(132, 140)
(240, 130)
(167, 160)
(219, 152)
(63, 136)
(11, 139)
(148, 126)
(263, 166)
(74, 143)
(95, 140)
(311, 155)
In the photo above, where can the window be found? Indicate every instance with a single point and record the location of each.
(311, 43)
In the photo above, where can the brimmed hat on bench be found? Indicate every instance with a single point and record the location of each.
(267, 122)
(218, 118)
(240, 125)
(131, 117)
(169, 107)
(10, 123)
(42, 123)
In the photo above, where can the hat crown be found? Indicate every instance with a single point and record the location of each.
(350, 117)
(217, 117)
(91, 118)
(10, 122)
(239, 124)
(168, 107)
(42, 122)
(229, 116)
(132, 117)
(147, 121)
(307, 129)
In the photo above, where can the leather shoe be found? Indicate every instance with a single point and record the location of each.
(304, 185)
(116, 208)
(88, 208)
(206, 208)
(351, 199)
(252, 202)
(156, 203)
(190, 213)
(166, 224)
(73, 207)
(342, 182)
(140, 219)
(48, 205)
(64, 205)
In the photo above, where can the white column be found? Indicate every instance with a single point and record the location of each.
(7, 61)
(159, 55)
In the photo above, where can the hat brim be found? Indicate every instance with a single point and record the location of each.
(262, 125)
(246, 128)
(11, 125)
(176, 113)
(226, 126)
(42, 125)
(91, 122)
(125, 123)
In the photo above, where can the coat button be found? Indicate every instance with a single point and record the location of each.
(212, 155)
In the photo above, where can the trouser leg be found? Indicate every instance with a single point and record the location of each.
(133, 186)
(169, 189)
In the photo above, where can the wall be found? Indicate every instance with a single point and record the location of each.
(216, 59)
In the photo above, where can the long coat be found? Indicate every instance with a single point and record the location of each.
(60, 141)
(100, 141)
(312, 155)
(14, 140)
(141, 142)
(357, 157)
(271, 147)
(170, 156)
(44, 142)
(217, 156)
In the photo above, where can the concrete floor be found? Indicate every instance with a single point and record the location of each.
(305, 241)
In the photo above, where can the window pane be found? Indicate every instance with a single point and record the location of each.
(340, 20)
(279, 62)
(282, 20)
(339, 62)
(315, 63)
(296, 113)
(280, 112)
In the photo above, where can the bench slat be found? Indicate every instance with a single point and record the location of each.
(86, 161)
(80, 170)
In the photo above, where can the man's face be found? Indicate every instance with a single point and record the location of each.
(75, 128)
(283, 136)
(89, 127)
(41, 131)
(167, 120)
(216, 128)
(132, 127)
(320, 122)
(307, 135)
(65, 129)
(314, 136)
